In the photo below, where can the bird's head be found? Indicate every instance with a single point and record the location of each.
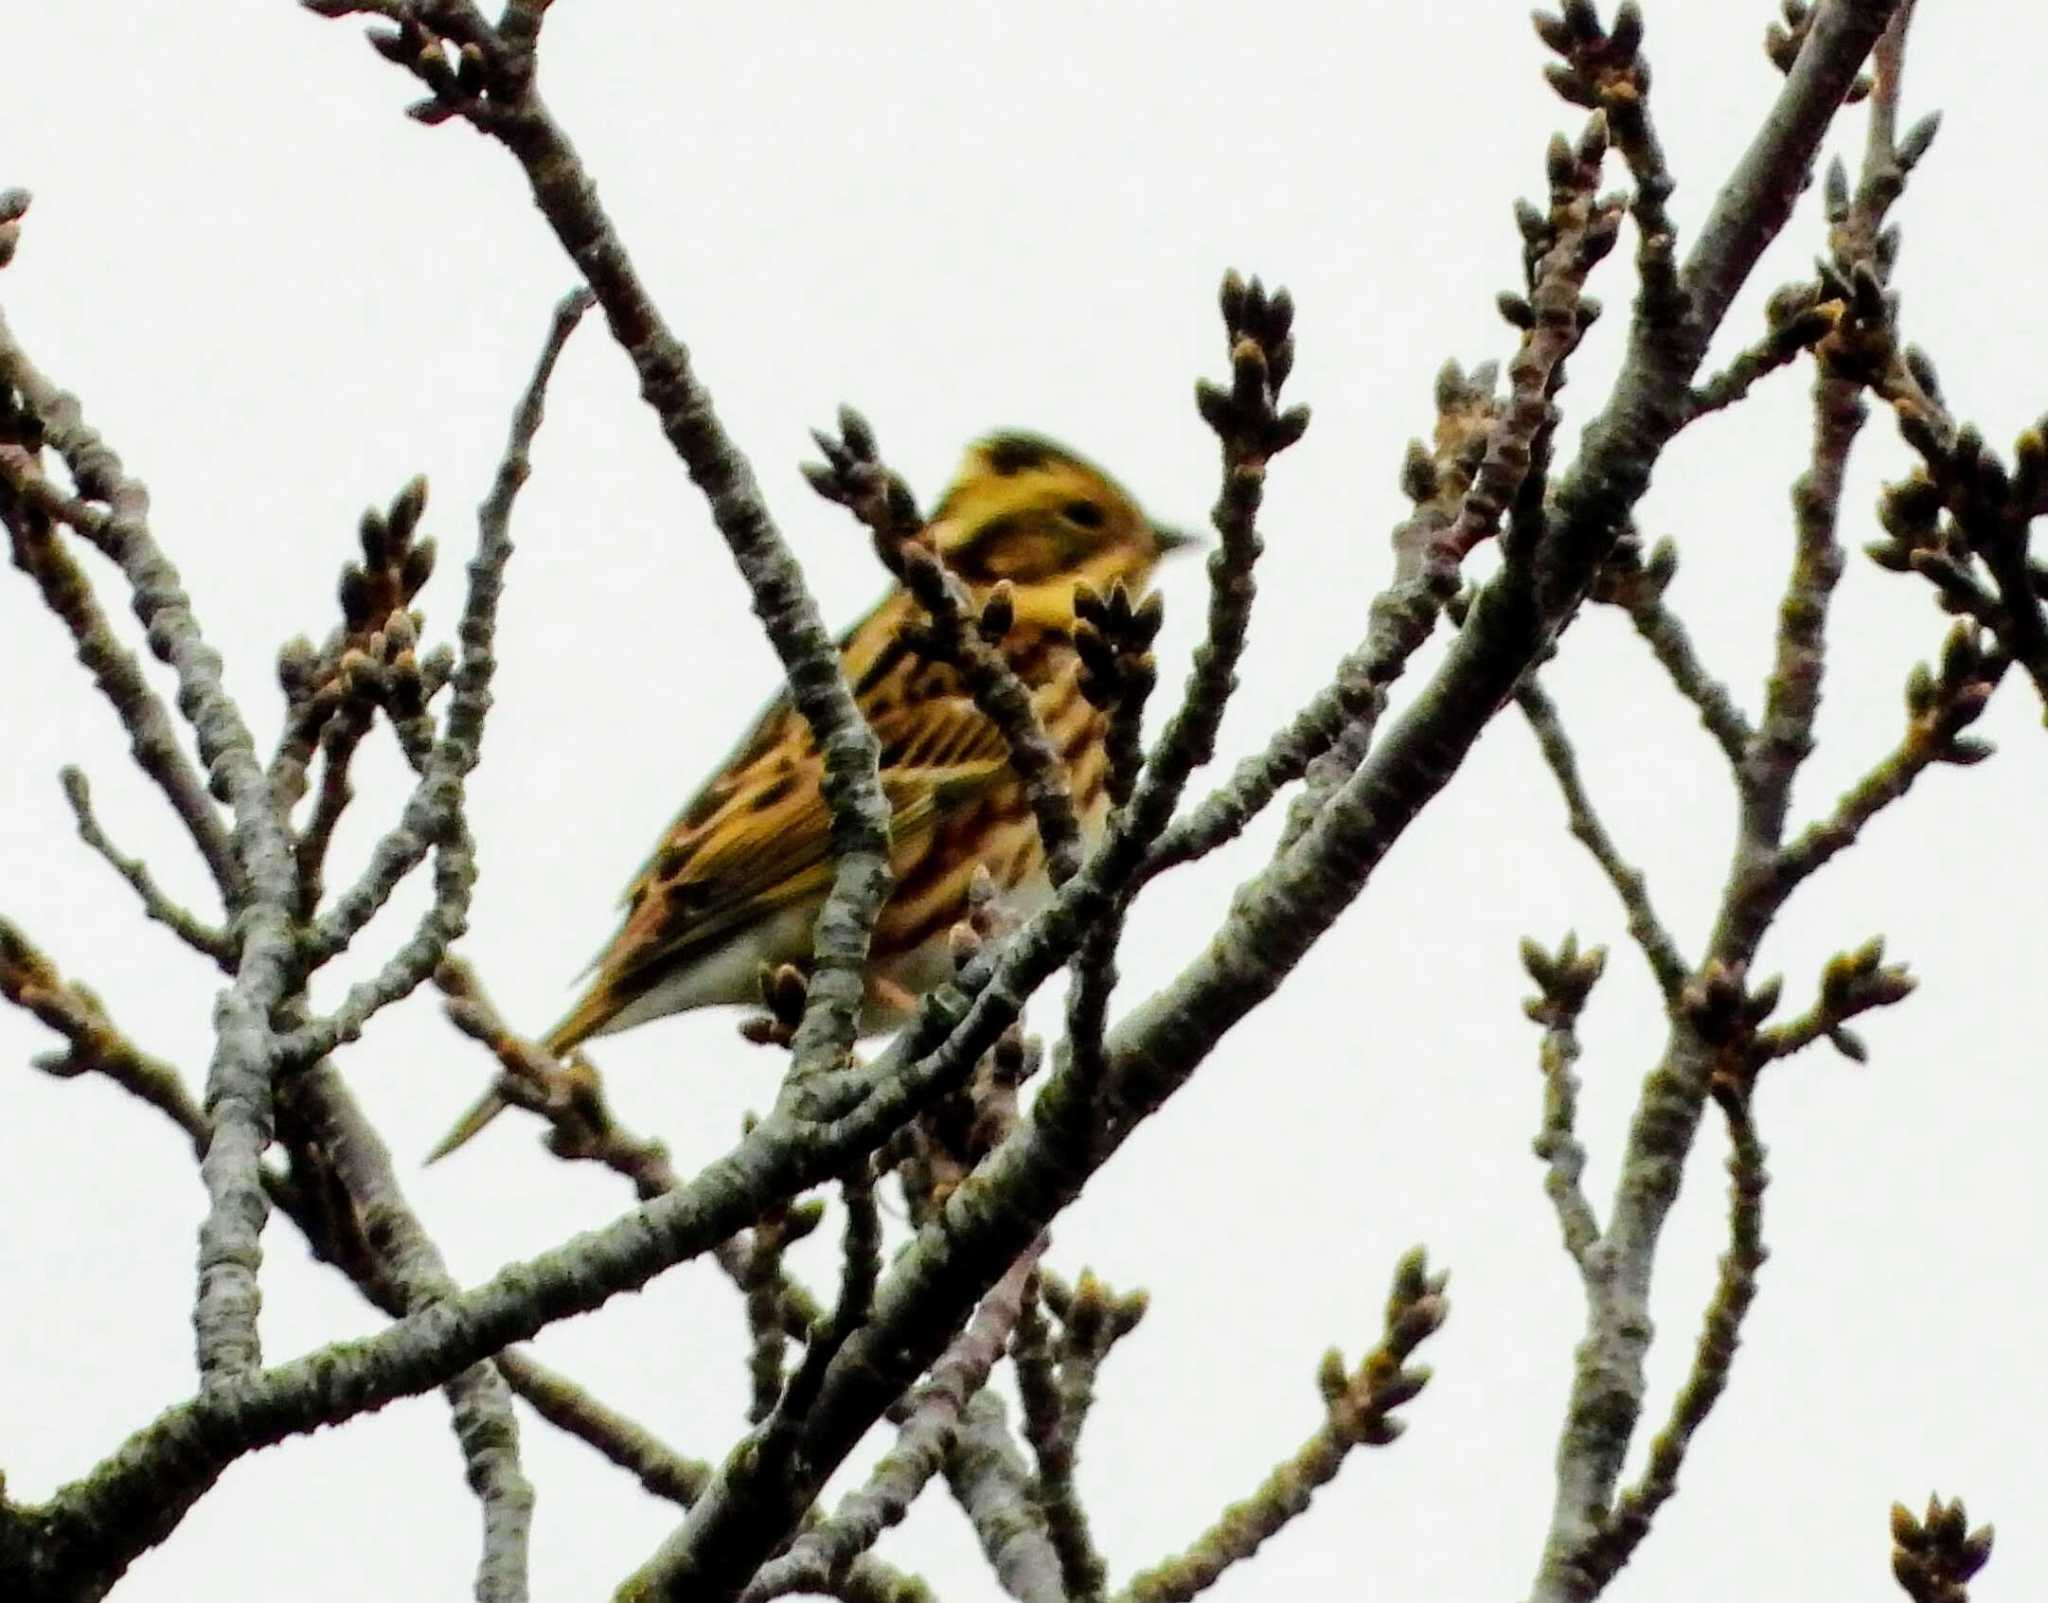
(1031, 512)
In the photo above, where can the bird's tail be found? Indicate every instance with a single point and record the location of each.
(486, 1108)
(592, 1012)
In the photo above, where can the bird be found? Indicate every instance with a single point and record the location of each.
(736, 880)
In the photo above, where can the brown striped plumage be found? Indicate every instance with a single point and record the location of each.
(739, 875)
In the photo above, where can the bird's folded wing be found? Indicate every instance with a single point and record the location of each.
(769, 845)
(871, 651)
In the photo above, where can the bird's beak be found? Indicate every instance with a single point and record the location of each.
(1170, 539)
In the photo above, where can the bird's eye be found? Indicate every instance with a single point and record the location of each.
(1083, 514)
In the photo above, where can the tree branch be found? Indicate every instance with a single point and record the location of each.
(260, 889)
(1660, 951)
(1360, 1407)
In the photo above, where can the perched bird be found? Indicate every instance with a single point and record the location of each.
(737, 880)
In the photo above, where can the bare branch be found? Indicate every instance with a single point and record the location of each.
(1491, 457)
(1667, 965)
(1113, 637)
(660, 1470)
(1798, 320)
(194, 931)
(820, 1557)
(1056, 1382)
(93, 1043)
(433, 817)
(259, 889)
(32, 509)
(1638, 589)
(1580, 231)
(1720, 1333)
(1360, 1406)
(571, 1098)
(1250, 431)
(316, 1107)
(1941, 704)
(1565, 978)
(1852, 983)
(1784, 734)
(989, 1481)
(1400, 619)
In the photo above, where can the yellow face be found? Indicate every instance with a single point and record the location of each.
(1029, 511)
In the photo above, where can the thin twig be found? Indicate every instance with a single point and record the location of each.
(819, 1557)
(1582, 231)
(1784, 734)
(1488, 452)
(1250, 430)
(1602, 69)
(1852, 983)
(1057, 1401)
(1659, 950)
(660, 1469)
(854, 476)
(32, 509)
(1940, 708)
(1113, 637)
(93, 1043)
(338, 743)
(583, 1128)
(1400, 620)
(569, 1096)
(760, 1284)
(1799, 322)
(1360, 1413)
(1640, 593)
(433, 817)
(194, 931)
(1565, 978)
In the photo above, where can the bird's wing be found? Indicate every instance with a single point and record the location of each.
(770, 843)
(870, 652)
(767, 846)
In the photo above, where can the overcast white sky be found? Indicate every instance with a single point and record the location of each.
(279, 299)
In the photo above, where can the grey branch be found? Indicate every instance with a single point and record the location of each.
(394, 1240)
(1359, 1410)
(1565, 978)
(180, 921)
(660, 1469)
(989, 1480)
(1660, 951)
(433, 816)
(261, 890)
(819, 1558)
(1720, 1333)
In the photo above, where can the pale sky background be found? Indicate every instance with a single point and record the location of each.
(279, 299)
